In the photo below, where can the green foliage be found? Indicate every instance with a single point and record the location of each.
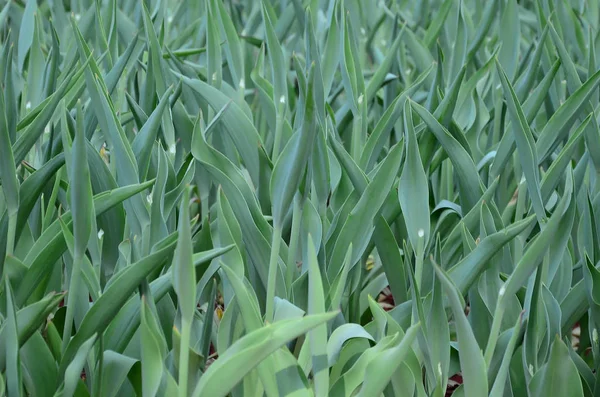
(299, 198)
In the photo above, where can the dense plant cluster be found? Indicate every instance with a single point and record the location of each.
(299, 198)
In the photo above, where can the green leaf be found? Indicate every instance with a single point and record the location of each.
(239, 128)
(278, 68)
(153, 350)
(28, 320)
(556, 170)
(437, 23)
(459, 47)
(115, 369)
(82, 211)
(357, 227)
(8, 177)
(26, 31)
(290, 166)
(8, 173)
(563, 118)
(126, 322)
(531, 106)
(391, 260)
(339, 284)
(559, 376)
(532, 257)
(255, 229)
(13, 361)
(145, 138)
(525, 144)
(207, 325)
(73, 370)
(157, 73)
(233, 47)
(379, 135)
(465, 272)
(250, 350)
(413, 191)
(468, 179)
(382, 368)
(355, 375)
(340, 336)
(51, 244)
(472, 364)
(317, 336)
(214, 70)
(352, 75)
(501, 378)
(184, 284)
(35, 126)
(438, 336)
(250, 312)
(107, 306)
(39, 367)
(330, 57)
(510, 36)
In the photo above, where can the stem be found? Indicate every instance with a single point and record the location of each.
(12, 230)
(495, 331)
(357, 142)
(359, 131)
(419, 270)
(420, 253)
(293, 249)
(184, 357)
(204, 206)
(273, 264)
(354, 301)
(98, 372)
(71, 296)
(498, 387)
(278, 130)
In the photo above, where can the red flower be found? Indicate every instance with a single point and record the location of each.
(453, 382)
